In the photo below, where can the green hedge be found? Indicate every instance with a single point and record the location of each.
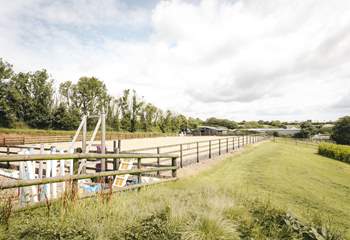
(336, 151)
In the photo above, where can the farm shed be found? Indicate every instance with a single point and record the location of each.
(210, 131)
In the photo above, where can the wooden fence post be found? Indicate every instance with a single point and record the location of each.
(104, 166)
(209, 148)
(226, 145)
(219, 146)
(233, 143)
(197, 152)
(8, 153)
(158, 160)
(181, 155)
(173, 163)
(75, 187)
(139, 167)
(115, 160)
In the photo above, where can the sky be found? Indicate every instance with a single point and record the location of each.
(238, 59)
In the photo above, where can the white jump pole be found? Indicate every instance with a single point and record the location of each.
(62, 170)
(53, 174)
(31, 175)
(22, 176)
(47, 175)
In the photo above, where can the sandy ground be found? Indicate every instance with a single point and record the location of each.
(139, 143)
(136, 143)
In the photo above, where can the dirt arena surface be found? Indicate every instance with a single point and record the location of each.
(136, 143)
(189, 150)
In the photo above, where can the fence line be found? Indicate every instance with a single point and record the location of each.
(298, 141)
(193, 152)
(72, 179)
(158, 161)
(22, 140)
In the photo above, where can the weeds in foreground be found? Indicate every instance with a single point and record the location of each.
(6, 207)
(142, 216)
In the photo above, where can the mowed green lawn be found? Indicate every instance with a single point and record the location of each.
(294, 177)
(211, 204)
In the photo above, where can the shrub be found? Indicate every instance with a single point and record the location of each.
(341, 131)
(335, 151)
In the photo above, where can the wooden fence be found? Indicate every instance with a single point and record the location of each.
(72, 179)
(299, 141)
(149, 162)
(22, 140)
(189, 153)
(193, 152)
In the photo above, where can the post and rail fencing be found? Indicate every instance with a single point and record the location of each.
(296, 141)
(194, 152)
(189, 153)
(22, 140)
(140, 170)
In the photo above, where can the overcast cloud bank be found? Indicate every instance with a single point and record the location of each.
(244, 59)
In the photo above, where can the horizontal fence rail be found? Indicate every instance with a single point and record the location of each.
(68, 178)
(45, 157)
(193, 152)
(298, 141)
(22, 140)
(73, 178)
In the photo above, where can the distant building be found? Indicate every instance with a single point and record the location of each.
(321, 137)
(210, 131)
(280, 131)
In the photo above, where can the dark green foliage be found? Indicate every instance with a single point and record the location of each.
(51, 228)
(6, 117)
(307, 130)
(336, 151)
(262, 221)
(154, 227)
(341, 131)
(65, 119)
(221, 122)
(30, 98)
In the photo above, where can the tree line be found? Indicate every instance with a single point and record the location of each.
(30, 100)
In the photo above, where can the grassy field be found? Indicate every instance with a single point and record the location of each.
(246, 196)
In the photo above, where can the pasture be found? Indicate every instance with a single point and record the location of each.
(242, 196)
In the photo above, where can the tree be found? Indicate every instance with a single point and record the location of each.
(124, 104)
(307, 129)
(6, 115)
(41, 99)
(193, 123)
(30, 97)
(66, 92)
(221, 122)
(165, 122)
(135, 111)
(148, 117)
(65, 118)
(89, 95)
(341, 131)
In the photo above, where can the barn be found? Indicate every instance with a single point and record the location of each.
(210, 131)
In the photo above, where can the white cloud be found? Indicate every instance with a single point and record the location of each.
(243, 59)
